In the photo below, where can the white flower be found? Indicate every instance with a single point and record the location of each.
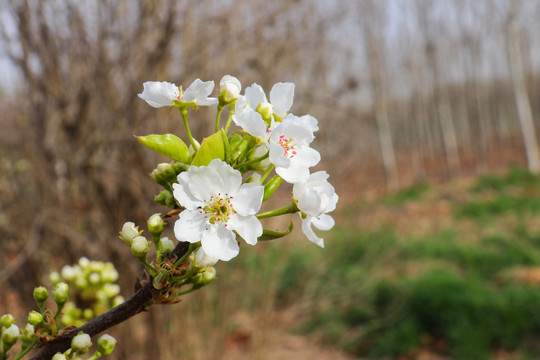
(289, 148)
(161, 93)
(315, 198)
(229, 88)
(216, 204)
(253, 112)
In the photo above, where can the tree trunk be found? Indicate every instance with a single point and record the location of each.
(523, 104)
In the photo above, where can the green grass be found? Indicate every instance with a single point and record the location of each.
(377, 294)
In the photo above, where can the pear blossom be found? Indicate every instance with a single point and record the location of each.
(254, 113)
(289, 148)
(217, 204)
(315, 198)
(229, 88)
(162, 93)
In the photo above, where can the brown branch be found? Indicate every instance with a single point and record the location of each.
(121, 313)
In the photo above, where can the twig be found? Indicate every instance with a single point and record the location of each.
(121, 313)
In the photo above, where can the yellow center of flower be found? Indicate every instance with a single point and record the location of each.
(218, 209)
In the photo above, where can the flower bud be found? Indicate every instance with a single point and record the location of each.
(117, 300)
(94, 278)
(54, 276)
(205, 276)
(81, 343)
(106, 344)
(204, 260)
(109, 273)
(165, 198)
(68, 273)
(155, 224)
(59, 356)
(7, 320)
(111, 290)
(84, 262)
(88, 314)
(129, 232)
(229, 89)
(40, 295)
(266, 111)
(35, 318)
(28, 335)
(11, 335)
(139, 247)
(166, 245)
(60, 293)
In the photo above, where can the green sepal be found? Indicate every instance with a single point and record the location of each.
(165, 198)
(241, 146)
(272, 234)
(271, 186)
(169, 145)
(212, 147)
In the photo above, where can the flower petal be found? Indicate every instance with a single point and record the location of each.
(248, 227)
(189, 226)
(255, 95)
(198, 92)
(159, 93)
(323, 222)
(220, 242)
(306, 156)
(248, 199)
(293, 174)
(277, 155)
(309, 201)
(183, 195)
(308, 231)
(204, 182)
(252, 122)
(281, 98)
(230, 177)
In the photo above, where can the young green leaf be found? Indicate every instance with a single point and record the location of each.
(169, 145)
(212, 147)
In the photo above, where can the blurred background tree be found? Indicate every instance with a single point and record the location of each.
(404, 91)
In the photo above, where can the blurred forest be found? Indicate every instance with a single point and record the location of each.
(405, 92)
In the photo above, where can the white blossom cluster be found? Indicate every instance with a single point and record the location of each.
(217, 204)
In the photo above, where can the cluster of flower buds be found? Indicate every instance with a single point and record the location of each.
(218, 185)
(93, 290)
(81, 344)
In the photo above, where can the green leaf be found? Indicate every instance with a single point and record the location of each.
(169, 145)
(212, 147)
(271, 234)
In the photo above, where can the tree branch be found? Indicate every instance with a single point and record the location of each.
(121, 313)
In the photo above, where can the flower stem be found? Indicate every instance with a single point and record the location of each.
(246, 163)
(231, 113)
(148, 266)
(289, 209)
(192, 247)
(26, 350)
(219, 110)
(267, 172)
(183, 112)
